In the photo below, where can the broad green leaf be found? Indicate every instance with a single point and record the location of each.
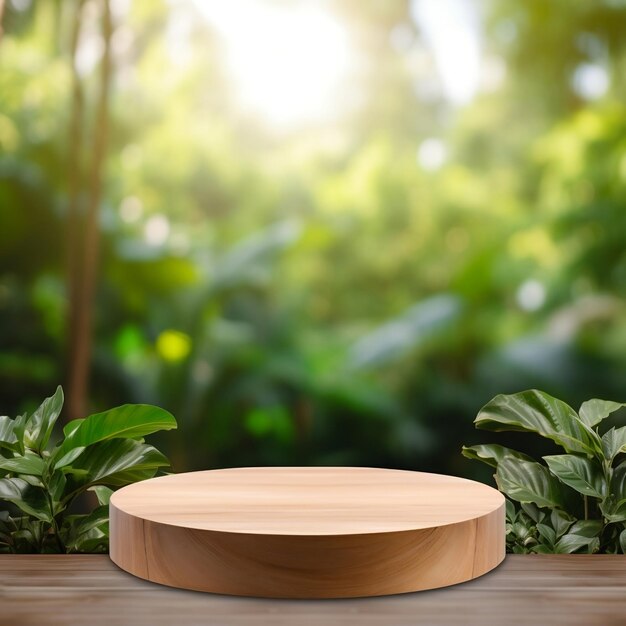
(547, 533)
(534, 512)
(131, 421)
(527, 481)
(594, 411)
(614, 442)
(30, 463)
(12, 433)
(7, 436)
(614, 505)
(116, 462)
(70, 427)
(587, 528)
(560, 521)
(580, 473)
(570, 543)
(492, 453)
(28, 498)
(68, 457)
(39, 425)
(102, 493)
(537, 412)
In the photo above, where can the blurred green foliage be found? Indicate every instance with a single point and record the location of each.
(318, 296)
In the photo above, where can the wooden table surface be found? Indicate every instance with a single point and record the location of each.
(90, 589)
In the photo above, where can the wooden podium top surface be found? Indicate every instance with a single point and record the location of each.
(307, 500)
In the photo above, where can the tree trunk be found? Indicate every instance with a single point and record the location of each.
(84, 235)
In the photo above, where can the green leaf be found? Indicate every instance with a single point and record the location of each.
(527, 481)
(587, 528)
(12, 433)
(622, 541)
(492, 453)
(28, 498)
(560, 521)
(614, 505)
(614, 442)
(571, 543)
(580, 473)
(39, 426)
(116, 462)
(102, 493)
(131, 421)
(547, 533)
(537, 412)
(594, 411)
(30, 463)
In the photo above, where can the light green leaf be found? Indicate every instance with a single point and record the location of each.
(12, 433)
(527, 481)
(492, 453)
(538, 412)
(39, 425)
(130, 421)
(614, 442)
(594, 411)
(581, 473)
(30, 463)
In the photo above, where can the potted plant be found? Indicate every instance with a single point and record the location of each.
(572, 502)
(40, 481)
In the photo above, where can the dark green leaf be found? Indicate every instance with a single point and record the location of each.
(622, 541)
(614, 505)
(571, 543)
(538, 412)
(527, 481)
(102, 493)
(582, 474)
(31, 500)
(492, 453)
(115, 463)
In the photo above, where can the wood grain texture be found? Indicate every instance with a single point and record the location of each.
(307, 532)
(56, 590)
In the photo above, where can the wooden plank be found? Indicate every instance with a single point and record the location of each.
(544, 589)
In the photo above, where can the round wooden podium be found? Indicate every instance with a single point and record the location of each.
(307, 532)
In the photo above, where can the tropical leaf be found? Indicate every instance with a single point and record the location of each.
(538, 412)
(130, 421)
(614, 442)
(29, 499)
(30, 463)
(116, 462)
(528, 481)
(614, 505)
(492, 453)
(580, 473)
(39, 426)
(592, 412)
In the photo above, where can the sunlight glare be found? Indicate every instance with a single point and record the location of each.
(288, 61)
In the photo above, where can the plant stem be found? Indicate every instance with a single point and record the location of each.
(586, 500)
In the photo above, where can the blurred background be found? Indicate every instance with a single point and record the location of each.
(317, 231)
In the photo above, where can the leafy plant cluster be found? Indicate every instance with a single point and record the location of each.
(574, 502)
(40, 481)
